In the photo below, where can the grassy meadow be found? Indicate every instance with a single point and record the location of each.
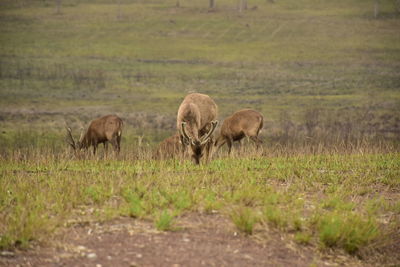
(329, 200)
(286, 60)
(325, 74)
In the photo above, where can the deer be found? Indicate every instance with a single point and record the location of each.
(242, 123)
(101, 130)
(168, 148)
(196, 122)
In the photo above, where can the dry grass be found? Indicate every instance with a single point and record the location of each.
(328, 198)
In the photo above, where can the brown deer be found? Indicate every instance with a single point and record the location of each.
(101, 130)
(196, 124)
(168, 148)
(245, 122)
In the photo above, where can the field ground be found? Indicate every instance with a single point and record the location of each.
(285, 59)
(204, 240)
(327, 204)
(324, 191)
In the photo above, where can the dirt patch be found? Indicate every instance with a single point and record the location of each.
(201, 240)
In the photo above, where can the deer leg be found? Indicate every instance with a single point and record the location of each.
(119, 143)
(114, 143)
(240, 146)
(229, 142)
(209, 148)
(105, 147)
(219, 145)
(182, 147)
(94, 149)
(256, 140)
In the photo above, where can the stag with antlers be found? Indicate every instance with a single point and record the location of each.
(101, 130)
(196, 122)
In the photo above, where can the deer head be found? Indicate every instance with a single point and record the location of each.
(197, 146)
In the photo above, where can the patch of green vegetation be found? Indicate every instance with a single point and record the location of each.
(303, 238)
(165, 221)
(289, 56)
(346, 230)
(244, 219)
(134, 202)
(316, 197)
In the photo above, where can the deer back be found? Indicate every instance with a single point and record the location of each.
(197, 111)
(245, 121)
(102, 129)
(168, 148)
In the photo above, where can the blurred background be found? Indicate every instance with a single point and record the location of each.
(322, 72)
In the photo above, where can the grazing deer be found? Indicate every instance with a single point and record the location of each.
(245, 122)
(196, 124)
(168, 148)
(102, 130)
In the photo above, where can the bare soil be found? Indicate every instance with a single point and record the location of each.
(199, 240)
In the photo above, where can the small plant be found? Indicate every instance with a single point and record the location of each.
(248, 197)
(335, 203)
(94, 193)
(165, 221)
(297, 224)
(135, 208)
(302, 238)
(211, 203)
(275, 217)
(348, 231)
(182, 201)
(244, 219)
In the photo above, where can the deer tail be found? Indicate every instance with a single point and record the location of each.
(261, 125)
(121, 124)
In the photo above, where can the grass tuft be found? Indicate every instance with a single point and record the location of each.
(276, 217)
(164, 221)
(347, 231)
(303, 238)
(244, 219)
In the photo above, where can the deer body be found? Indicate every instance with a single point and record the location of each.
(243, 123)
(168, 148)
(101, 130)
(196, 122)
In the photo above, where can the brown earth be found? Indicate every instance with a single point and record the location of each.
(200, 240)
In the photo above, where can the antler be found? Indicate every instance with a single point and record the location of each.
(205, 138)
(185, 135)
(70, 140)
(82, 128)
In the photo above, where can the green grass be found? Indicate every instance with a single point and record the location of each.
(349, 231)
(244, 219)
(326, 200)
(164, 221)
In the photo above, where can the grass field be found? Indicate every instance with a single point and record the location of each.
(284, 58)
(327, 200)
(325, 74)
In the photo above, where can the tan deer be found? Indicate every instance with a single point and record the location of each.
(168, 148)
(196, 122)
(102, 130)
(243, 123)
